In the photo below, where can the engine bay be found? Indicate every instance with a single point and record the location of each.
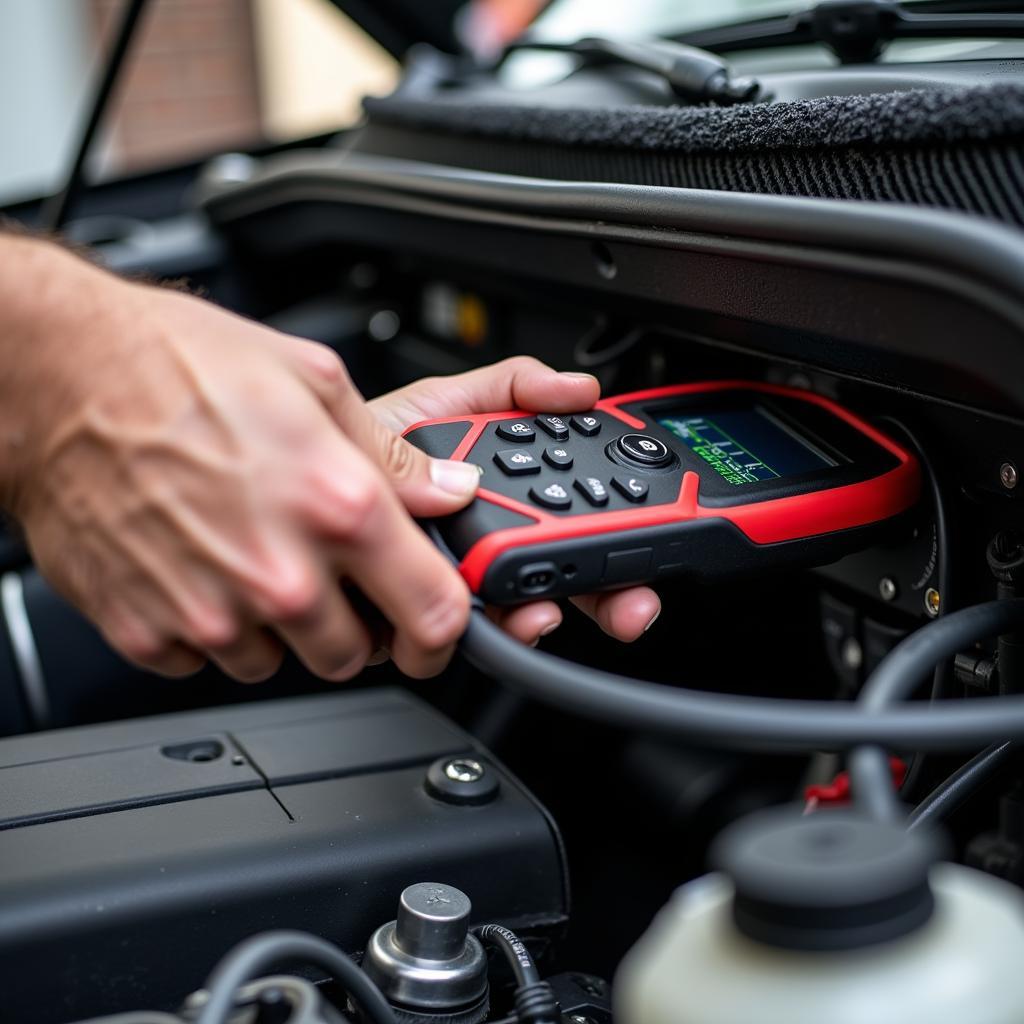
(499, 822)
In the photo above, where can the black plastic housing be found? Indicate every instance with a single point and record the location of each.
(133, 855)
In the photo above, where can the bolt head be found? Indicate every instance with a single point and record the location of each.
(464, 769)
(887, 588)
(932, 601)
(1008, 475)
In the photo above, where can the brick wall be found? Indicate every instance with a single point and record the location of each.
(190, 87)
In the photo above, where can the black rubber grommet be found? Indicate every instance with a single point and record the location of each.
(462, 779)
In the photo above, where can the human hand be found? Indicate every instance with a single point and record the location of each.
(201, 486)
(522, 383)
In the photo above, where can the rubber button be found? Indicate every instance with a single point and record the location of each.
(643, 449)
(553, 425)
(593, 489)
(516, 430)
(631, 488)
(551, 496)
(585, 424)
(516, 462)
(558, 457)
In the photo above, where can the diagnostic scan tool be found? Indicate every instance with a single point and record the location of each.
(713, 480)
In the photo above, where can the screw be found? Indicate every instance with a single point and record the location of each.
(1008, 475)
(887, 588)
(238, 759)
(464, 769)
(932, 601)
(578, 1018)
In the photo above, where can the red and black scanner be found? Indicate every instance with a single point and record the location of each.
(712, 480)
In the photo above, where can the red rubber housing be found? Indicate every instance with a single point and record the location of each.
(765, 522)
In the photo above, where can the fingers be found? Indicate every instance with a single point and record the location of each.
(623, 614)
(415, 588)
(529, 622)
(140, 643)
(521, 382)
(328, 636)
(175, 661)
(252, 657)
(428, 487)
(390, 560)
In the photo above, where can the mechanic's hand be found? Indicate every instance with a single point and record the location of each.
(198, 485)
(522, 383)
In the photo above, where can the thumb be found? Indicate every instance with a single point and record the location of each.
(427, 487)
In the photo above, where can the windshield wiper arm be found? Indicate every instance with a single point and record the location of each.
(694, 75)
(855, 30)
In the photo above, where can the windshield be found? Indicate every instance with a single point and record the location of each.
(570, 19)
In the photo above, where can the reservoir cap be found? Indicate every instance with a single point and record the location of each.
(828, 881)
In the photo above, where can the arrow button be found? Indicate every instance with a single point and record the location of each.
(630, 487)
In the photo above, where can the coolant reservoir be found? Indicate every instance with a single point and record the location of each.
(829, 919)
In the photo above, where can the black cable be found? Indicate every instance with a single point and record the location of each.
(872, 786)
(772, 724)
(896, 678)
(253, 957)
(535, 1000)
(940, 803)
(518, 956)
(55, 210)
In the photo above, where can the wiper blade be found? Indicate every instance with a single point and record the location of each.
(856, 31)
(694, 75)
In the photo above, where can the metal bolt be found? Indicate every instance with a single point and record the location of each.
(932, 601)
(578, 1018)
(887, 588)
(1008, 475)
(464, 769)
(238, 760)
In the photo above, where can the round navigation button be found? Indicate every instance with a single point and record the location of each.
(643, 450)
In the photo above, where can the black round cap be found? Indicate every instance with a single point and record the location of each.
(828, 881)
(462, 780)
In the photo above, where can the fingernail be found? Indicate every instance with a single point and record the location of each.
(578, 376)
(549, 629)
(654, 619)
(459, 478)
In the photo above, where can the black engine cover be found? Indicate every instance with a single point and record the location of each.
(133, 855)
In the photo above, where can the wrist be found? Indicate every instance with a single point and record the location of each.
(56, 313)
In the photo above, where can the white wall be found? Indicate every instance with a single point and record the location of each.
(43, 78)
(315, 67)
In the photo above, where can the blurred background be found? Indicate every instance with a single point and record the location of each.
(204, 76)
